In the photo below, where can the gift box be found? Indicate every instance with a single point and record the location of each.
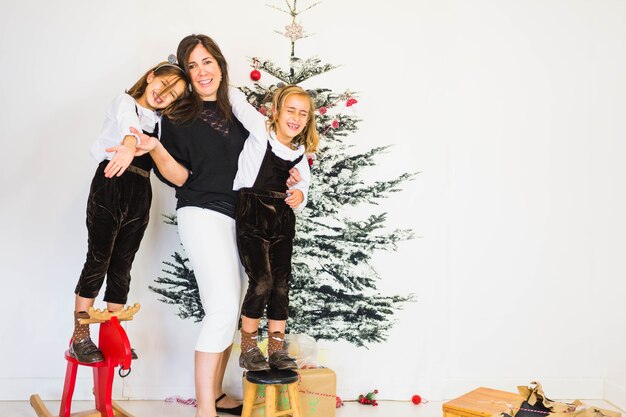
(528, 402)
(316, 390)
(482, 402)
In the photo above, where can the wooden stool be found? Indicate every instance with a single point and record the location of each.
(271, 380)
(115, 347)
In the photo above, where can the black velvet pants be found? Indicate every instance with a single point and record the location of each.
(265, 232)
(118, 210)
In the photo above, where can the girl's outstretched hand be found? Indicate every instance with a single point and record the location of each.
(147, 144)
(294, 198)
(120, 161)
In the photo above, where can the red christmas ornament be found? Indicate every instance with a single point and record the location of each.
(416, 399)
(350, 102)
(323, 110)
(255, 75)
(263, 110)
(335, 124)
(310, 160)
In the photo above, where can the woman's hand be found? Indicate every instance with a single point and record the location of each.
(175, 173)
(294, 177)
(147, 143)
(294, 198)
(120, 161)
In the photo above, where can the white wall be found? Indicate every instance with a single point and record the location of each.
(536, 193)
(512, 111)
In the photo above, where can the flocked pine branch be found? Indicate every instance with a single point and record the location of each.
(180, 288)
(299, 71)
(359, 318)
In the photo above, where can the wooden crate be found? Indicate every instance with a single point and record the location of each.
(482, 402)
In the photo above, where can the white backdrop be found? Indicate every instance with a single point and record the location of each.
(513, 112)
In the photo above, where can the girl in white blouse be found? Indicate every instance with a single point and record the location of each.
(265, 214)
(120, 196)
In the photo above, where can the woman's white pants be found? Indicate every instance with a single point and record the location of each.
(209, 241)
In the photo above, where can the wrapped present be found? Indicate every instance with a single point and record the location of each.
(530, 401)
(482, 402)
(316, 391)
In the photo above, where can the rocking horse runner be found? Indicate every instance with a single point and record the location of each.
(115, 346)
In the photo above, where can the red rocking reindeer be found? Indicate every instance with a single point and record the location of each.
(115, 346)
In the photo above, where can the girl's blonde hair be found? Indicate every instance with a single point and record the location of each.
(161, 70)
(308, 137)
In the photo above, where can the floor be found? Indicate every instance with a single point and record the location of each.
(163, 409)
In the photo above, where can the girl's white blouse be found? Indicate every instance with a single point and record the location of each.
(256, 145)
(120, 117)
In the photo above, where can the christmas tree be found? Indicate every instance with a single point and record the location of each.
(333, 294)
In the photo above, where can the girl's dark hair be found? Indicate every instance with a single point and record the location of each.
(191, 107)
(163, 69)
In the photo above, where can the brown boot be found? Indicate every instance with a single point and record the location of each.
(83, 349)
(278, 357)
(86, 351)
(251, 357)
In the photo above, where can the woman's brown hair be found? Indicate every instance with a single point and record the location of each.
(190, 108)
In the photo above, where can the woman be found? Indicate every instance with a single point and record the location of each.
(198, 154)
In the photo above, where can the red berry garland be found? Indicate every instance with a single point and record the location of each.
(369, 398)
(338, 402)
